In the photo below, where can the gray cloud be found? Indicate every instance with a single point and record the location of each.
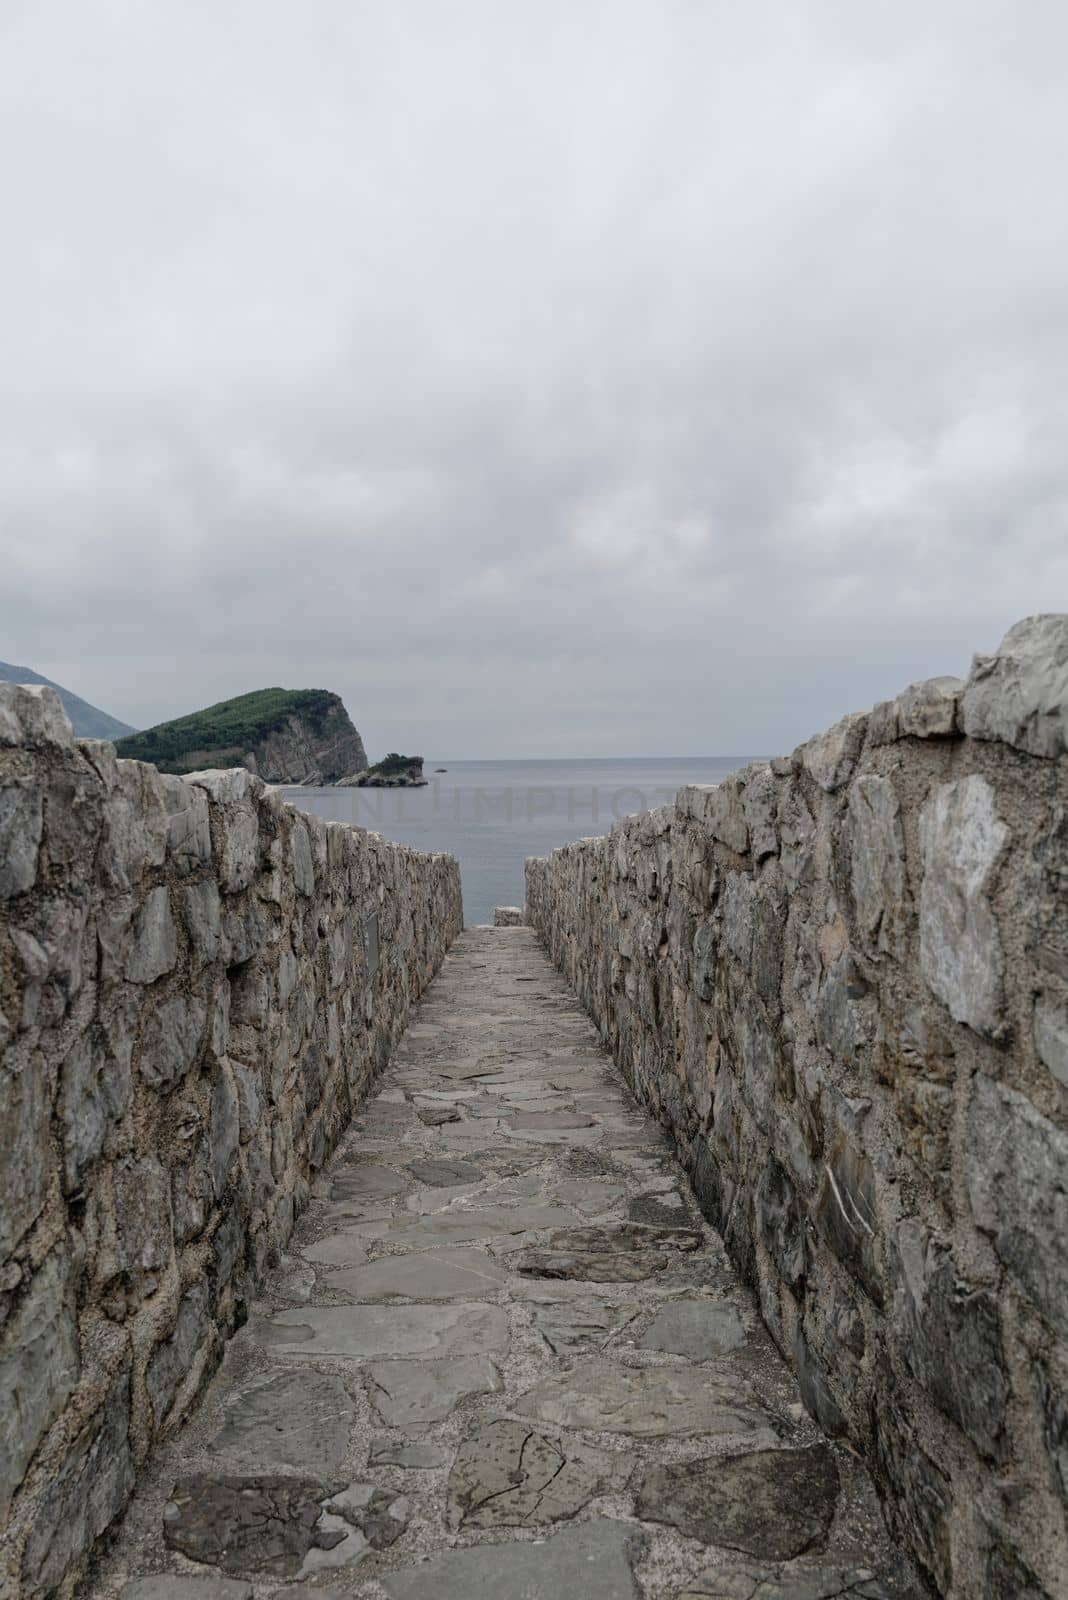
(653, 377)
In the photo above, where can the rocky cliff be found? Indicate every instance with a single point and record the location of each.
(283, 735)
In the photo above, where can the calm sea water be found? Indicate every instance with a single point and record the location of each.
(493, 814)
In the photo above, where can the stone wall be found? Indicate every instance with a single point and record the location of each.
(197, 984)
(841, 981)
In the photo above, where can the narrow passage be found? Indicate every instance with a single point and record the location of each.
(505, 1360)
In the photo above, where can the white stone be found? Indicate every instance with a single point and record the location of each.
(928, 710)
(155, 941)
(830, 757)
(32, 715)
(878, 864)
(1020, 694)
(1051, 1035)
(962, 839)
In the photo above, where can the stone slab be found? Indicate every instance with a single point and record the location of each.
(698, 1329)
(507, 1474)
(424, 1275)
(644, 1401)
(574, 1324)
(390, 1331)
(416, 1393)
(296, 1419)
(163, 1586)
(769, 1503)
(420, 1456)
(593, 1560)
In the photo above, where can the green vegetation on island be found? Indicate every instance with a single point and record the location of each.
(224, 735)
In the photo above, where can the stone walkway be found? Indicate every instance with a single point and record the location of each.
(506, 1359)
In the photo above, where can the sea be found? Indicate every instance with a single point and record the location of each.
(491, 815)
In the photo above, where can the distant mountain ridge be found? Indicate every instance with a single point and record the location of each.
(87, 721)
(284, 735)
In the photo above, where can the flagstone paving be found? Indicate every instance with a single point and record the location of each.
(505, 1358)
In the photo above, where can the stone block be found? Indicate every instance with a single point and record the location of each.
(32, 716)
(154, 948)
(760, 803)
(1019, 695)
(21, 824)
(171, 1361)
(963, 840)
(877, 866)
(188, 826)
(949, 1332)
(25, 1114)
(95, 1086)
(142, 1215)
(1016, 1166)
(507, 916)
(830, 758)
(201, 913)
(725, 815)
(89, 1492)
(1051, 1034)
(173, 1035)
(39, 1367)
(225, 1127)
(846, 1216)
(929, 710)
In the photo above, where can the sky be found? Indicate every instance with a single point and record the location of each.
(621, 377)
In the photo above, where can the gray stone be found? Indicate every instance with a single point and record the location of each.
(769, 1503)
(759, 800)
(239, 833)
(797, 830)
(780, 1223)
(698, 1329)
(21, 821)
(249, 1085)
(39, 1367)
(593, 1560)
(590, 1266)
(739, 893)
(410, 1394)
(1016, 1166)
(25, 1115)
(225, 1130)
(928, 710)
(846, 1217)
(815, 1390)
(878, 865)
(741, 1580)
(574, 1324)
(551, 1119)
(201, 911)
(303, 866)
(923, 1507)
(830, 757)
(393, 1331)
(298, 1418)
(264, 1524)
(32, 714)
(339, 1249)
(435, 1116)
(188, 827)
(154, 950)
(441, 1174)
(172, 1038)
(950, 1334)
(960, 948)
(164, 1587)
(95, 1086)
(1051, 1035)
(142, 1193)
(644, 1401)
(367, 1183)
(172, 1360)
(381, 1515)
(88, 1493)
(1020, 694)
(427, 1275)
(725, 815)
(422, 1456)
(507, 1475)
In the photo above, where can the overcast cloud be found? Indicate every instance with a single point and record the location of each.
(548, 377)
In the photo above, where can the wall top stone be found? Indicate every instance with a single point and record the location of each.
(1020, 694)
(32, 715)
